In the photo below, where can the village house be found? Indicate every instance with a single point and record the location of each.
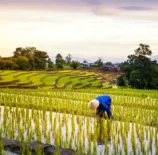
(113, 67)
(86, 65)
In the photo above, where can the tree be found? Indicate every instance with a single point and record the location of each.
(143, 50)
(28, 58)
(85, 61)
(75, 64)
(27, 52)
(7, 64)
(68, 59)
(139, 70)
(59, 58)
(18, 52)
(108, 63)
(50, 64)
(22, 63)
(37, 59)
(135, 78)
(40, 59)
(99, 62)
(59, 61)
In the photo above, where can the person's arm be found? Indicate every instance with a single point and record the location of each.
(100, 113)
(97, 111)
(109, 113)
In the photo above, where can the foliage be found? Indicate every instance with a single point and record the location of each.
(139, 70)
(59, 66)
(108, 63)
(143, 50)
(59, 61)
(68, 59)
(75, 64)
(85, 61)
(7, 64)
(120, 81)
(50, 64)
(30, 58)
(40, 59)
(99, 62)
(22, 62)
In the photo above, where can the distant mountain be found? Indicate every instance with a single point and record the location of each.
(105, 59)
(155, 57)
(93, 59)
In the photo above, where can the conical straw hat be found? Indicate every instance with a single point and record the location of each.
(93, 104)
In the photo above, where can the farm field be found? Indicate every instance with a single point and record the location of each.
(78, 77)
(60, 117)
(68, 79)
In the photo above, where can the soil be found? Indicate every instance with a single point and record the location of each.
(15, 147)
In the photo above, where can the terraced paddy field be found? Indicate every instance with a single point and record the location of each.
(61, 121)
(67, 79)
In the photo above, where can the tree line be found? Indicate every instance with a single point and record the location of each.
(139, 71)
(30, 58)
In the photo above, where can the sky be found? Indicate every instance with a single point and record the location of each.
(84, 28)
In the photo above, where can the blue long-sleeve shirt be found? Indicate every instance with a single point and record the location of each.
(104, 104)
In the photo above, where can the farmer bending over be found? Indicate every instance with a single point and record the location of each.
(102, 103)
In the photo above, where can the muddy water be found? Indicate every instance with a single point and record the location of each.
(84, 134)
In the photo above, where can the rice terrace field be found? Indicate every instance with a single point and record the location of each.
(57, 79)
(46, 113)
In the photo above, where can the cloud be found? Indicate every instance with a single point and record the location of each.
(135, 8)
(125, 9)
(131, 5)
(104, 11)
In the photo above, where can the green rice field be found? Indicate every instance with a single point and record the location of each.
(67, 79)
(60, 117)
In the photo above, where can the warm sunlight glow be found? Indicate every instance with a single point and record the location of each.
(81, 33)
